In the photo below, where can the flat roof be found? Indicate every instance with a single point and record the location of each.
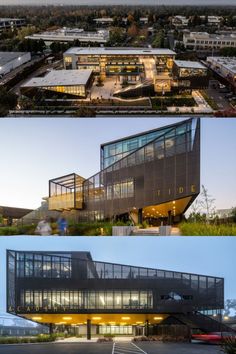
(6, 57)
(119, 51)
(189, 64)
(226, 62)
(60, 78)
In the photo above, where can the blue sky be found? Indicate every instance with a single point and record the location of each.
(203, 255)
(36, 150)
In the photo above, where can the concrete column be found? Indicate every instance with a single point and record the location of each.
(50, 328)
(169, 217)
(147, 328)
(140, 216)
(88, 329)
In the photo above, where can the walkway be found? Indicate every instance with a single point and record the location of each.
(126, 348)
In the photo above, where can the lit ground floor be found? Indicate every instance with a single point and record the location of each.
(109, 348)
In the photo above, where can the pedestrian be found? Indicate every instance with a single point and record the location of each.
(62, 226)
(43, 228)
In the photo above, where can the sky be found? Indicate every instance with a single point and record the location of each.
(115, 2)
(202, 255)
(33, 151)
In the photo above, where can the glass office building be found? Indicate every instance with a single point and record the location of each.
(153, 175)
(71, 289)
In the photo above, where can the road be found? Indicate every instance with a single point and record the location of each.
(109, 348)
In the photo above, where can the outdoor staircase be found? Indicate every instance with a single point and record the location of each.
(203, 322)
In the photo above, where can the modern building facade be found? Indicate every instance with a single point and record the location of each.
(71, 289)
(12, 60)
(127, 64)
(152, 175)
(61, 82)
(208, 41)
(189, 75)
(66, 35)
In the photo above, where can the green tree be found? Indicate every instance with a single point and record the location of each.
(8, 100)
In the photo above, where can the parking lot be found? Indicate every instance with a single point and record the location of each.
(107, 348)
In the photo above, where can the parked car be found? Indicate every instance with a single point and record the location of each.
(213, 337)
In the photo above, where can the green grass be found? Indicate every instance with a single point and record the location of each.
(202, 229)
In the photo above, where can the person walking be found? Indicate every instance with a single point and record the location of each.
(43, 228)
(62, 226)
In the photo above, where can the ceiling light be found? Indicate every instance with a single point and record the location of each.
(36, 318)
(158, 318)
(67, 318)
(125, 318)
(96, 318)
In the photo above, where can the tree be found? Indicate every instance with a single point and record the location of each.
(233, 214)
(207, 203)
(133, 30)
(8, 100)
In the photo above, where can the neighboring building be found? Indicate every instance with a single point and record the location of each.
(71, 290)
(71, 34)
(16, 326)
(206, 41)
(213, 20)
(11, 23)
(143, 20)
(63, 82)
(103, 21)
(154, 175)
(10, 215)
(180, 21)
(225, 67)
(127, 64)
(12, 60)
(189, 75)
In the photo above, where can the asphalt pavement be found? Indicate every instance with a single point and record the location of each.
(108, 348)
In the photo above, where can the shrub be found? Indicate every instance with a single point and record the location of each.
(203, 229)
(229, 346)
(104, 339)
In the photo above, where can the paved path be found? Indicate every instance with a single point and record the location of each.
(126, 348)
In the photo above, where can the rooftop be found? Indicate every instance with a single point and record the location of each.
(119, 51)
(206, 35)
(61, 78)
(189, 64)
(226, 62)
(70, 34)
(6, 57)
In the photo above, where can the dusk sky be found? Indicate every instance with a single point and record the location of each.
(36, 150)
(120, 2)
(213, 256)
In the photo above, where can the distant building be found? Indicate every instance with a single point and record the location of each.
(206, 41)
(71, 34)
(213, 20)
(143, 20)
(225, 67)
(11, 23)
(62, 82)
(180, 21)
(103, 21)
(11, 60)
